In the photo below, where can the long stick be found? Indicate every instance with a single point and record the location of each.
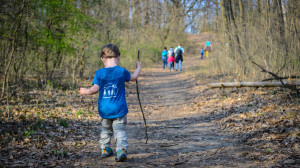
(138, 95)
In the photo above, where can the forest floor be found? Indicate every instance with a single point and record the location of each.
(189, 125)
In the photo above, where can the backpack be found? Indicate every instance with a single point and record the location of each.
(164, 53)
(179, 52)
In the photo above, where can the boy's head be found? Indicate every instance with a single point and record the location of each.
(165, 48)
(110, 51)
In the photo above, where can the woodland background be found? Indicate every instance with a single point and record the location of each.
(56, 43)
(50, 48)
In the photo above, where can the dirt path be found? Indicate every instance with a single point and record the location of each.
(181, 127)
(189, 125)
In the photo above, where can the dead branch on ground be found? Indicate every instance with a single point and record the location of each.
(292, 88)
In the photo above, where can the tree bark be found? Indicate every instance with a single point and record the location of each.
(253, 84)
(11, 54)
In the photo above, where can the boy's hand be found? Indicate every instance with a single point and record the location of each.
(92, 90)
(137, 72)
(83, 91)
(138, 64)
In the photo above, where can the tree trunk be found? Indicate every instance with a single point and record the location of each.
(82, 58)
(253, 84)
(11, 54)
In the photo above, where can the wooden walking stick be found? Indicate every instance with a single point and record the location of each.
(138, 95)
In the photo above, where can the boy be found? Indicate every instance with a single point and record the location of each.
(202, 52)
(112, 106)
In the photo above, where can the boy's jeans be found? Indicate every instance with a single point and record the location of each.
(164, 59)
(118, 127)
(178, 65)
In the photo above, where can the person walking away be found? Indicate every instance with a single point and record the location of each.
(202, 52)
(207, 48)
(179, 57)
(172, 50)
(171, 60)
(112, 107)
(164, 55)
(173, 55)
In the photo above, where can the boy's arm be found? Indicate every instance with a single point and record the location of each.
(137, 72)
(89, 91)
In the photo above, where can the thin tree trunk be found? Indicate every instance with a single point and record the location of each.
(82, 61)
(11, 55)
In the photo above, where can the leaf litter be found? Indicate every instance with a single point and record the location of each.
(189, 125)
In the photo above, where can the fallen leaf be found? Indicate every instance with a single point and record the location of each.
(26, 140)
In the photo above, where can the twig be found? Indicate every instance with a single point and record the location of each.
(278, 78)
(264, 70)
(138, 95)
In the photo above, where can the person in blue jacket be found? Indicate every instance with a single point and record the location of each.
(207, 47)
(164, 56)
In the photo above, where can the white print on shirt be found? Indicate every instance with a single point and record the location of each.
(110, 90)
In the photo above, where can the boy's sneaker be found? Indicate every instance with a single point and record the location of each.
(106, 152)
(121, 155)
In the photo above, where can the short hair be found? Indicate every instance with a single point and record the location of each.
(110, 51)
(165, 48)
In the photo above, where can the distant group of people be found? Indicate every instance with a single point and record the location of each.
(171, 56)
(207, 48)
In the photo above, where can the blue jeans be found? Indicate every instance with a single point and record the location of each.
(178, 65)
(171, 65)
(117, 127)
(165, 64)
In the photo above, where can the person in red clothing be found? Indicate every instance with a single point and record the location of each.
(171, 59)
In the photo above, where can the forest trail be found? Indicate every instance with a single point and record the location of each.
(181, 124)
(189, 125)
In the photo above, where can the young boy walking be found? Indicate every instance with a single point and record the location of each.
(202, 53)
(112, 107)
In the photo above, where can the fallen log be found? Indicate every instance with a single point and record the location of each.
(253, 84)
(286, 77)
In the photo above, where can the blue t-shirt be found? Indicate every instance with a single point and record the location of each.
(112, 101)
(202, 50)
(208, 43)
(179, 47)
